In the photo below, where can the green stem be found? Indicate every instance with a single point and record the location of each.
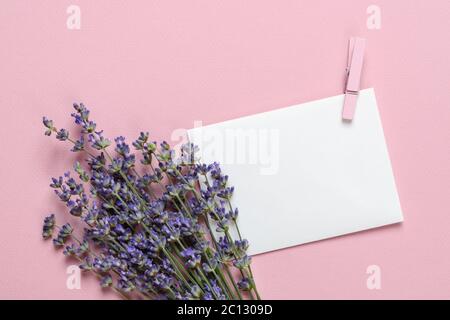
(231, 278)
(249, 267)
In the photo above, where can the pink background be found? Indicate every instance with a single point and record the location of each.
(160, 65)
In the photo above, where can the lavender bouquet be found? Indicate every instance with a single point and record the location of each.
(163, 233)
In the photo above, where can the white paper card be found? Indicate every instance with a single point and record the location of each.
(301, 174)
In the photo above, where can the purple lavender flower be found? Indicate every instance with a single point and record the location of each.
(78, 145)
(58, 242)
(244, 284)
(217, 290)
(64, 233)
(92, 214)
(70, 250)
(126, 285)
(82, 118)
(151, 233)
(241, 246)
(226, 193)
(57, 183)
(82, 174)
(140, 142)
(242, 262)
(121, 147)
(192, 257)
(49, 225)
(196, 291)
(106, 281)
(102, 264)
(86, 265)
(82, 249)
(62, 135)
(49, 125)
(98, 141)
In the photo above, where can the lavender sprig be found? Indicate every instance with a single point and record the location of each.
(151, 233)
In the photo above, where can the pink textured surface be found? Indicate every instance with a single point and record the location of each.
(160, 65)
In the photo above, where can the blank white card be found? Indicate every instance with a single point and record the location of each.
(301, 174)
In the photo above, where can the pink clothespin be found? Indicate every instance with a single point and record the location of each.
(354, 67)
